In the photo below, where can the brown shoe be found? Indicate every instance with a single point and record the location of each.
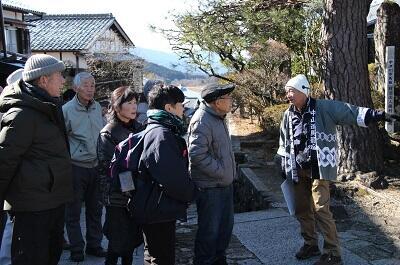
(329, 259)
(307, 252)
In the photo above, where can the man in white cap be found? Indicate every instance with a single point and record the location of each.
(307, 147)
(36, 173)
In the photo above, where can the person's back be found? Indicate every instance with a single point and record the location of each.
(164, 175)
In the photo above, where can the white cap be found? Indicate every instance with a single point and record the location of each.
(14, 76)
(300, 83)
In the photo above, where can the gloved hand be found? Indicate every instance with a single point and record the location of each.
(391, 117)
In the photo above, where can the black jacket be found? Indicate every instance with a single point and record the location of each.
(110, 136)
(35, 168)
(164, 184)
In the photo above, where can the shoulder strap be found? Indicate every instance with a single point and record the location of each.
(141, 141)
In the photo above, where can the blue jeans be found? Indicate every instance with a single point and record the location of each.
(5, 249)
(215, 224)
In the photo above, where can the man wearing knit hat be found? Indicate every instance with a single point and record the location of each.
(307, 147)
(212, 168)
(36, 173)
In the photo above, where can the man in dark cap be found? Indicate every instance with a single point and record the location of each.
(213, 169)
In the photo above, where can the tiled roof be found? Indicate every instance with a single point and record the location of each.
(17, 6)
(72, 32)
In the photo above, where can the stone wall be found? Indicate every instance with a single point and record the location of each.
(250, 194)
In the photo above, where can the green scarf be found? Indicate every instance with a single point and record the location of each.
(171, 121)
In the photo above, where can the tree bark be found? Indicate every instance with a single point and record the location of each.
(387, 33)
(346, 79)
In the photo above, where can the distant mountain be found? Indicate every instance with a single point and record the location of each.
(169, 60)
(168, 74)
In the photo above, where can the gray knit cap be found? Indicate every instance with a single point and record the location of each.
(41, 64)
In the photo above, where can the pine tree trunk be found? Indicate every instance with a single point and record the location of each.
(346, 79)
(387, 33)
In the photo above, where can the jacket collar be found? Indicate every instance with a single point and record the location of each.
(207, 108)
(303, 109)
(80, 106)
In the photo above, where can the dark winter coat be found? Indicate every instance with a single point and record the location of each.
(110, 136)
(35, 167)
(165, 184)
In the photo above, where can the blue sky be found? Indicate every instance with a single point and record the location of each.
(134, 16)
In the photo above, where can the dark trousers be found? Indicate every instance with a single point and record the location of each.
(86, 189)
(159, 243)
(112, 258)
(37, 237)
(215, 225)
(123, 235)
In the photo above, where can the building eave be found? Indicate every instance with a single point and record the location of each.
(21, 9)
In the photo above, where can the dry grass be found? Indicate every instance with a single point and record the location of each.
(243, 126)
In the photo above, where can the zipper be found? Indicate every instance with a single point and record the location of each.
(159, 198)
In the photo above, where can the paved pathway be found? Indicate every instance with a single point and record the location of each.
(267, 237)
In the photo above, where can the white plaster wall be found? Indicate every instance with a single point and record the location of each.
(109, 42)
(68, 57)
(12, 15)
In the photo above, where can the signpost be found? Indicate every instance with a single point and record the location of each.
(389, 86)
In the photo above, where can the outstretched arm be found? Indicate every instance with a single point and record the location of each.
(346, 114)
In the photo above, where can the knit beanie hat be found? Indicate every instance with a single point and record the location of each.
(41, 64)
(300, 83)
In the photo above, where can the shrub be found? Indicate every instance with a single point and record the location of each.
(378, 99)
(262, 83)
(271, 118)
(373, 76)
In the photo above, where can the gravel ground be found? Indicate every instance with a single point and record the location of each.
(378, 208)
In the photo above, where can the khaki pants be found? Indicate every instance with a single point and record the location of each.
(312, 207)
